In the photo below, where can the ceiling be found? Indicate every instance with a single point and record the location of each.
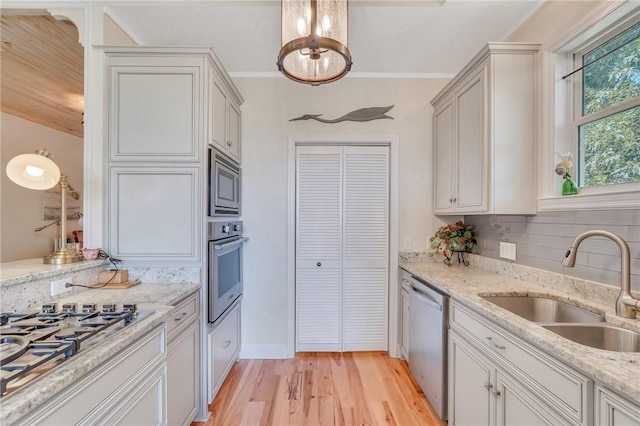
(385, 37)
(42, 61)
(42, 71)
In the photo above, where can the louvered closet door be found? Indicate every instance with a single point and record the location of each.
(366, 245)
(318, 248)
(342, 201)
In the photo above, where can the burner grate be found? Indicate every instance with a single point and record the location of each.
(32, 343)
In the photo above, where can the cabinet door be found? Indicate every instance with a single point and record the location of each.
(144, 405)
(183, 376)
(470, 378)
(443, 152)
(518, 407)
(224, 346)
(153, 213)
(233, 126)
(612, 410)
(471, 158)
(404, 323)
(154, 113)
(218, 116)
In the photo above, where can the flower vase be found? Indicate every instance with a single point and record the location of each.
(569, 187)
(457, 246)
(460, 249)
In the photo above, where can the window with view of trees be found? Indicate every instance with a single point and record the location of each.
(608, 119)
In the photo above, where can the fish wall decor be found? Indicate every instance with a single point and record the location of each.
(362, 114)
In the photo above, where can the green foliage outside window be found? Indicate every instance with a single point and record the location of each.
(610, 147)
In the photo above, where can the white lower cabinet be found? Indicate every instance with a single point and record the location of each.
(183, 363)
(470, 374)
(403, 321)
(483, 394)
(613, 410)
(128, 389)
(404, 306)
(518, 406)
(224, 347)
(495, 378)
(143, 405)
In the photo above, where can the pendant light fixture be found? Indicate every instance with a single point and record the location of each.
(314, 41)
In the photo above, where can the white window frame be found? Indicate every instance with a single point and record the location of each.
(559, 119)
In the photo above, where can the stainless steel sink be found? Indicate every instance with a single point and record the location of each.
(600, 336)
(544, 310)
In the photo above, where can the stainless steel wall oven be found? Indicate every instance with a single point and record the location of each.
(224, 185)
(225, 266)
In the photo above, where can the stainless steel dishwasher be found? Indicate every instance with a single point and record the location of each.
(428, 313)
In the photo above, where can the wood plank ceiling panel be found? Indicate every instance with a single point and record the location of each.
(42, 71)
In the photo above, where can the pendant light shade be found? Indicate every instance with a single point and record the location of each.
(34, 171)
(314, 41)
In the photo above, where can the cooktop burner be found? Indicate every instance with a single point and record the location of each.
(32, 343)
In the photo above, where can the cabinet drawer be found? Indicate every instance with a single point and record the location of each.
(563, 388)
(224, 344)
(182, 315)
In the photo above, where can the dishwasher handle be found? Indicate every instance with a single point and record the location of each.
(426, 299)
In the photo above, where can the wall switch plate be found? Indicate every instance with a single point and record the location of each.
(508, 250)
(60, 286)
(407, 243)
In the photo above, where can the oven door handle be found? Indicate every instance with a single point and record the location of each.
(232, 243)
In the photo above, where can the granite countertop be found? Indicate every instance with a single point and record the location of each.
(12, 273)
(161, 298)
(616, 370)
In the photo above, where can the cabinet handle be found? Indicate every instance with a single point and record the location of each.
(455, 199)
(495, 393)
(319, 264)
(184, 314)
(226, 344)
(488, 385)
(497, 346)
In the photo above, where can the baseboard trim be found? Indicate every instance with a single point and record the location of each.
(264, 352)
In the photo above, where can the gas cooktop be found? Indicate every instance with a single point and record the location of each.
(33, 343)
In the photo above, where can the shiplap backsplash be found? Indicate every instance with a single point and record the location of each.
(543, 239)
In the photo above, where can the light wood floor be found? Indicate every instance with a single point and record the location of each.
(359, 388)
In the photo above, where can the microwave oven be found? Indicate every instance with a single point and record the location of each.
(224, 185)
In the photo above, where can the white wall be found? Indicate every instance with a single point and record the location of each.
(269, 105)
(21, 208)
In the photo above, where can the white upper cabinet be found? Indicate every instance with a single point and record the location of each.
(224, 119)
(484, 134)
(162, 114)
(155, 108)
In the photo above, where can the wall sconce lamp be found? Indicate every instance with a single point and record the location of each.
(38, 171)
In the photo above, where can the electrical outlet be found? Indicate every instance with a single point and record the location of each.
(508, 250)
(60, 286)
(407, 243)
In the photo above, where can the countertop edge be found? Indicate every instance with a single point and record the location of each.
(33, 395)
(605, 367)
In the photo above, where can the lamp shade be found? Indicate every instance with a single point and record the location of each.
(33, 171)
(314, 41)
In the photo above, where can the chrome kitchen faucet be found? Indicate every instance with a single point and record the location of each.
(626, 305)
